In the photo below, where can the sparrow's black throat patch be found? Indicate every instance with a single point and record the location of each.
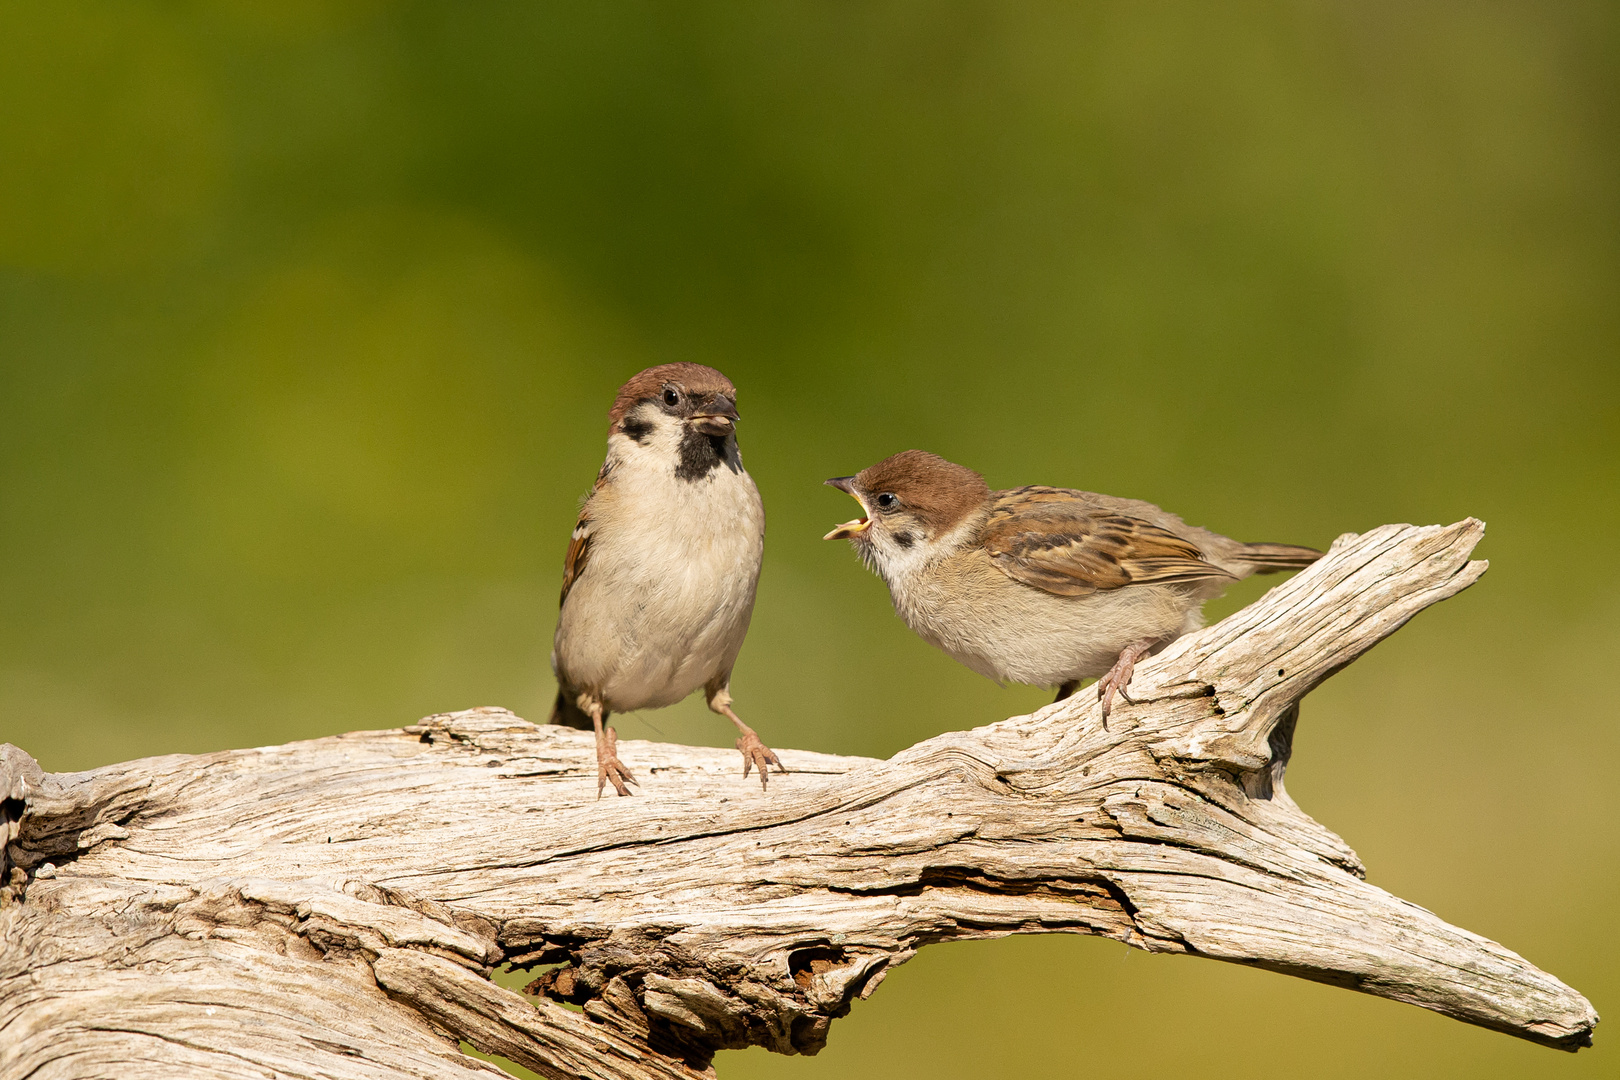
(700, 454)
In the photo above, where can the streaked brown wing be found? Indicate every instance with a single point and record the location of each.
(1053, 539)
(579, 547)
(579, 542)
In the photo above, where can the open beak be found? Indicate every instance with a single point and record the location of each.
(719, 418)
(849, 529)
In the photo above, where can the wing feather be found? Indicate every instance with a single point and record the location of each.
(579, 541)
(1059, 541)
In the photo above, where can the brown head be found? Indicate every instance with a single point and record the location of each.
(684, 412)
(684, 390)
(910, 498)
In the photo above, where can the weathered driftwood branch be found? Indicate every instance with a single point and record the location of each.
(332, 908)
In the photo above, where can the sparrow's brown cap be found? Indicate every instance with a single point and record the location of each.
(937, 492)
(695, 380)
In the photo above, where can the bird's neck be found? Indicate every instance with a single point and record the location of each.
(904, 567)
(672, 450)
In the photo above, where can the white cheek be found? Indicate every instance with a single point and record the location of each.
(898, 564)
(657, 450)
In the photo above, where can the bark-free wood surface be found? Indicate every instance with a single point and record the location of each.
(332, 908)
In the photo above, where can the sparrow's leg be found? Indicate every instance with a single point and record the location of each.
(1120, 674)
(608, 766)
(755, 753)
(1066, 689)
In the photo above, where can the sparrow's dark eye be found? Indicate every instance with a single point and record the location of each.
(886, 501)
(671, 397)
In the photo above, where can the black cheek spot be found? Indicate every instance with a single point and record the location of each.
(904, 539)
(637, 430)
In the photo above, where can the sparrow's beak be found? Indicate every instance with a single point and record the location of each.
(720, 418)
(849, 529)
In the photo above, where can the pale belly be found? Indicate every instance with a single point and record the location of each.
(1035, 637)
(646, 624)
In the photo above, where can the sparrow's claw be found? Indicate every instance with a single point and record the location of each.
(1114, 683)
(757, 755)
(1119, 676)
(608, 766)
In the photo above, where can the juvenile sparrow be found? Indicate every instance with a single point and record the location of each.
(658, 584)
(1040, 585)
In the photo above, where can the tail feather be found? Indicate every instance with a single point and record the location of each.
(1270, 558)
(568, 713)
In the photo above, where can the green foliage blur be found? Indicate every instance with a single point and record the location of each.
(311, 312)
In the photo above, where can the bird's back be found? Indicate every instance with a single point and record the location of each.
(1235, 557)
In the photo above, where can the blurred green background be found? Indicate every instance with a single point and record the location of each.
(311, 313)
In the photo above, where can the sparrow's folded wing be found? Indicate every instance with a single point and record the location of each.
(1057, 540)
(579, 542)
(579, 547)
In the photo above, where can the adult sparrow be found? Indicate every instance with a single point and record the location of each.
(1040, 585)
(658, 583)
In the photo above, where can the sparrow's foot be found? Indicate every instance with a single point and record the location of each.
(1120, 674)
(757, 755)
(609, 769)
